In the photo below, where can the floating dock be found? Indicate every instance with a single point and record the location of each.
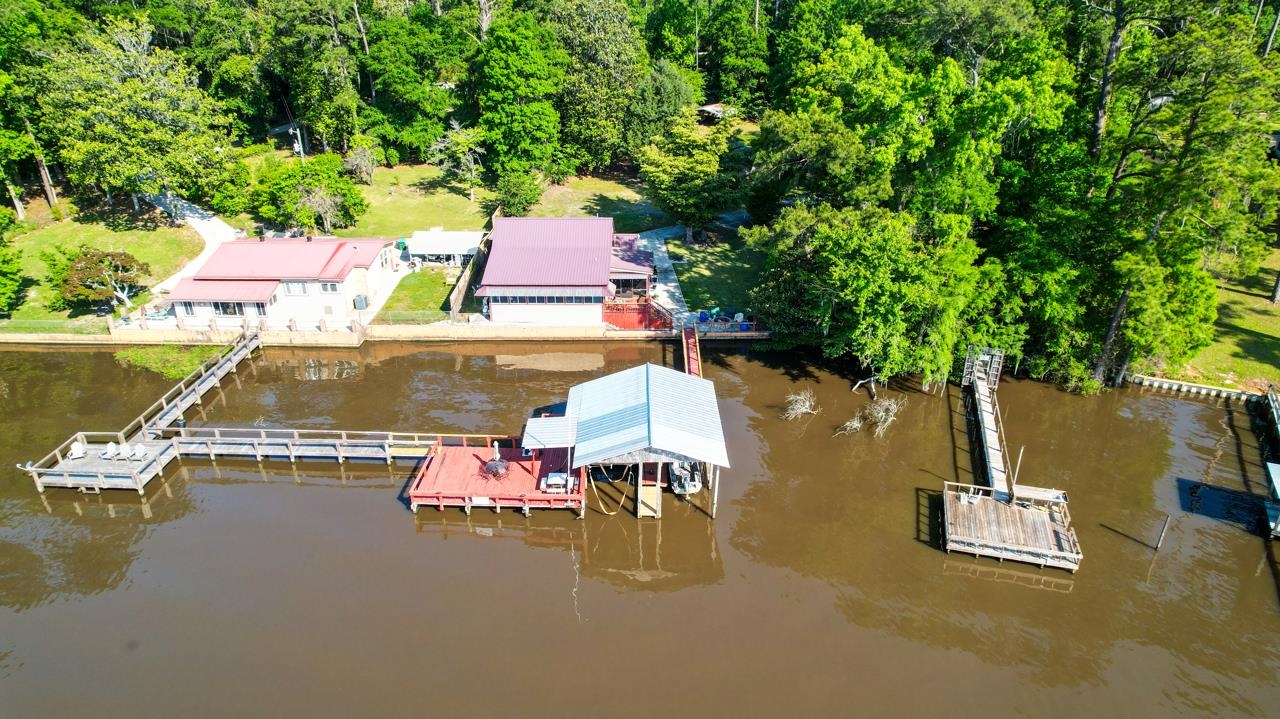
(461, 476)
(1003, 520)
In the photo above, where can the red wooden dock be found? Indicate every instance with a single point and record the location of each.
(692, 352)
(455, 477)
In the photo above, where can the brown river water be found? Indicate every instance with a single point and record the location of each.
(242, 590)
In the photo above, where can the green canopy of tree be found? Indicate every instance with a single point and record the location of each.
(128, 116)
(95, 276)
(684, 172)
(311, 194)
(518, 74)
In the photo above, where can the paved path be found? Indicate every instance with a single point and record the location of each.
(666, 287)
(212, 230)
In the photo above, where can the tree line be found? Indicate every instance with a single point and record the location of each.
(1066, 179)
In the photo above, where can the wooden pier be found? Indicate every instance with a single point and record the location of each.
(1003, 520)
(692, 351)
(133, 456)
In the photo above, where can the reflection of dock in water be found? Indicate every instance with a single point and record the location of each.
(1007, 575)
(679, 551)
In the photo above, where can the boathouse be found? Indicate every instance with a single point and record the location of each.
(664, 423)
(568, 271)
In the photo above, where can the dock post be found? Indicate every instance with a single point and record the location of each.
(1160, 541)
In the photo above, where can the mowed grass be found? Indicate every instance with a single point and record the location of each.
(720, 274)
(146, 236)
(420, 297)
(406, 198)
(618, 198)
(1246, 348)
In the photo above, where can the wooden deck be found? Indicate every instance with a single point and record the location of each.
(94, 473)
(1032, 531)
(453, 477)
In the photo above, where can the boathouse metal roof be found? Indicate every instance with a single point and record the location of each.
(643, 414)
(439, 241)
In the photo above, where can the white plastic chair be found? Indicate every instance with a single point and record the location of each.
(110, 452)
(140, 452)
(76, 451)
(126, 451)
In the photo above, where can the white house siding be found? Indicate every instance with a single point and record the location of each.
(558, 314)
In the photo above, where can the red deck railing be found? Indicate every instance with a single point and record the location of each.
(638, 315)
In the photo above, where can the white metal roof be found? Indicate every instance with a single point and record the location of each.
(646, 409)
(438, 241)
(547, 433)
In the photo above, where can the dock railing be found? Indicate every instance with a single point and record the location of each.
(49, 463)
(190, 383)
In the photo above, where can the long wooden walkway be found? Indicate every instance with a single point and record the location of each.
(692, 351)
(1003, 520)
(133, 456)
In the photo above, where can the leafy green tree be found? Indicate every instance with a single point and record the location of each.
(310, 194)
(518, 73)
(129, 117)
(517, 192)
(673, 31)
(1193, 186)
(364, 156)
(233, 195)
(683, 172)
(737, 59)
(458, 154)
(868, 284)
(11, 277)
(606, 64)
(409, 100)
(664, 93)
(95, 275)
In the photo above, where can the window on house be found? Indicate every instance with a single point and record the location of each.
(261, 308)
(228, 309)
(188, 308)
(295, 288)
(329, 288)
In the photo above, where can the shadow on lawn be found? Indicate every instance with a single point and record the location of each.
(122, 218)
(628, 215)
(441, 183)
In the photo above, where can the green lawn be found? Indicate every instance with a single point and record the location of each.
(591, 196)
(405, 198)
(147, 237)
(716, 275)
(420, 297)
(1246, 347)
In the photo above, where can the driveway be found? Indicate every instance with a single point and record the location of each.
(211, 229)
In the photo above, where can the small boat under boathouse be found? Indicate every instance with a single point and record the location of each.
(661, 423)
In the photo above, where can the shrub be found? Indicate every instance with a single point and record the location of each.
(517, 192)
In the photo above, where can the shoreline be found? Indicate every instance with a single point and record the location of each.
(443, 332)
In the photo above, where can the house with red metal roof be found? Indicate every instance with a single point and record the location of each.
(300, 283)
(567, 271)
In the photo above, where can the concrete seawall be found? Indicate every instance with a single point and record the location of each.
(438, 332)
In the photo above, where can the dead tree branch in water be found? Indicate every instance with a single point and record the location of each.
(800, 404)
(872, 379)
